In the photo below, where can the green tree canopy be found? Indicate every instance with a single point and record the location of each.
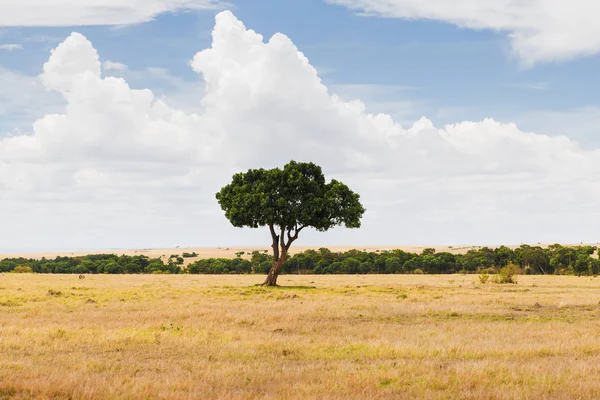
(287, 201)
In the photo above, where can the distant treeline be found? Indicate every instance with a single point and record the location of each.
(555, 259)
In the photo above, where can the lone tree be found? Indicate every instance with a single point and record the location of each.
(287, 201)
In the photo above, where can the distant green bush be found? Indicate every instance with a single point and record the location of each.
(507, 274)
(219, 266)
(501, 264)
(21, 269)
(90, 264)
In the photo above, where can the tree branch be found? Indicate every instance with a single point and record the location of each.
(292, 239)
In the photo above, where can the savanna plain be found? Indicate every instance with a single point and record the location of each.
(369, 337)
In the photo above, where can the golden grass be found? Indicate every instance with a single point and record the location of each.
(365, 337)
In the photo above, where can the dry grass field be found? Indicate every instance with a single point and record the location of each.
(360, 337)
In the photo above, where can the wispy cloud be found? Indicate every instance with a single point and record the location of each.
(324, 70)
(373, 88)
(94, 12)
(43, 39)
(538, 30)
(11, 47)
(114, 66)
(529, 85)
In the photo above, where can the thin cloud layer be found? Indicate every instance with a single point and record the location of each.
(11, 47)
(92, 12)
(114, 66)
(120, 167)
(539, 30)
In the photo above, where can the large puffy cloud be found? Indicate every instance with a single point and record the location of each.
(120, 167)
(92, 12)
(539, 30)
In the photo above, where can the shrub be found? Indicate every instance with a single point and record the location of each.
(507, 274)
(488, 271)
(483, 278)
(418, 271)
(21, 269)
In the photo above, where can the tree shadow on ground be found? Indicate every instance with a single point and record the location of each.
(278, 287)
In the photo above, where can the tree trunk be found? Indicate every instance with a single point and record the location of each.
(276, 268)
(280, 250)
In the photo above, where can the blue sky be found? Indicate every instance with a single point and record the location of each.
(461, 66)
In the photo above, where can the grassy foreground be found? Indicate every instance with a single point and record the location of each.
(202, 337)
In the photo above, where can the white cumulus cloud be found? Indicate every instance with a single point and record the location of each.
(539, 30)
(119, 167)
(92, 12)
